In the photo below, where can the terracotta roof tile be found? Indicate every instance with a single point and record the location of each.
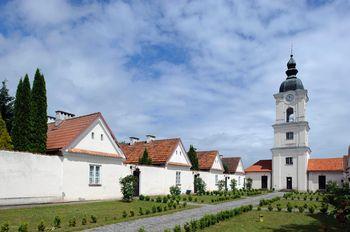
(260, 166)
(206, 159)
(158, 150)
(97, 153)
(231, 163)
(327, 164)
(69, 129)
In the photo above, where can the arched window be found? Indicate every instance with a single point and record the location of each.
(290, 115)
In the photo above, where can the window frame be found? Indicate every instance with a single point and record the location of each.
(290, 135)
(92, 135)
(289, 160)
(101, 137)
(216, 179)
(94, 175)
(178, 178)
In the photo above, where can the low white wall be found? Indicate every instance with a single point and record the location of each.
(330, 176)
(256, 177)
(76, 177)
(29, 178)
(209, 178)
(158, 180)
(240, 179)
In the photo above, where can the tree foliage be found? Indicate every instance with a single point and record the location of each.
(175, 190)
(225, 168)
(145, 159)
(127, 187)
(221, 185)
(248, 183)
(6, 106)
(233, 184)
(192, 155)
(38, 114)
(5, 139)
(22, 124)
(199, 185)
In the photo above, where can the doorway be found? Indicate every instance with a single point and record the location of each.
(264, 182)
(136, 174)
(289, 183)
(322, 182)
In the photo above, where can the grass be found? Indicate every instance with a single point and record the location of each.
(278, 222)
(107, 212)
(284, 202)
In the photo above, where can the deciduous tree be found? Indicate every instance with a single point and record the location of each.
(6, 106)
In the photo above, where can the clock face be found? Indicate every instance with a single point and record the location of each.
(289, 97)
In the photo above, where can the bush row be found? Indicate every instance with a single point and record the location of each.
(268, 201)
(154, 209)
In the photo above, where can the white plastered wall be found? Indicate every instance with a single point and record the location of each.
(209, 178)
(29, 178)
(330, 176)
(239, 177)
(256, 177)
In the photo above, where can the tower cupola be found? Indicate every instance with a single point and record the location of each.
(292, 82)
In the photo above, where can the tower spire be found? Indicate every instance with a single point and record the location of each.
(291, 65)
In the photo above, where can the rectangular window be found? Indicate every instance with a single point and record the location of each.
(92, 135)
(178, 178)
(289, 135)
(95, 175)
(101, 137)
(289, 160)
(216, 179)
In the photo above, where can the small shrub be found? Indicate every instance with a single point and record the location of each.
(187, 227)
(301, 209)
(141, 230)
(165, 208)
(72, 222)
(177, 228)
(148, 211)
(305, 206)
(141, 211)
(125, 214)
(132, 213)
(289, 207)
(93, 219)
(279, 208)
(23, 227)
(154, 209)
(175, 190)
(194, 225)
(270, 207)
(5, 227)
(141, 197)
(147, 198)
(190, 198)
(259, 208)
(57, 222)
(159, 199)
(159, 208)
(83, 221)
(311, 209)
(324, 208)
(165, 199)
(184, 204)
(127, 187)
(41, 226)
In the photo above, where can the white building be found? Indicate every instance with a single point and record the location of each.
(211, 168)
(235, 170)
(292, 167)
(170, 165)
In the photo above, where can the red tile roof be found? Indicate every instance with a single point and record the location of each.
(206, 159)
(67, 131)
(231, 163)
(326, 165)
(61, 136)
(158, 150)
(260, 166)
(98, 153)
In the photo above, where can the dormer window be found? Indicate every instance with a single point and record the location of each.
(92, 135)
(101, 137)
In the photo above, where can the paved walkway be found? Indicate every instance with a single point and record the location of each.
(161, 223)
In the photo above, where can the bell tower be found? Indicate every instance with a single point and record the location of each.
(291, 151)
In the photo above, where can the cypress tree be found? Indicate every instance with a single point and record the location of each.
(145, 158)
(22, 123)
(5, 139)
(6, 106)
(192, 155)
(38, 114)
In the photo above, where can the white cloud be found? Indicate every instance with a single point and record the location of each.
(216, 95)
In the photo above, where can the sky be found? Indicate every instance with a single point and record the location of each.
(204, 71)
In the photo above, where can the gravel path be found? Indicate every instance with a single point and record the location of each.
(161, 223)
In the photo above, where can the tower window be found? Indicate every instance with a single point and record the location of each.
(289, 135)
(290, 115)
(289, 160)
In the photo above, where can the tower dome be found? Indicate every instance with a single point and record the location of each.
(292, 82)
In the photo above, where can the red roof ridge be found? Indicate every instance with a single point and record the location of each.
(260, 166)
(81, 116)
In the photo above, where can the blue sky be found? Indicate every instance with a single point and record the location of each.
(205, 71)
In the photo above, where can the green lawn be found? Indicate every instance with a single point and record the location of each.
(107, 212)
(278, 222)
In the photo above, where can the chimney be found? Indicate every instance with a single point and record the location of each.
(50, 119)
(61, 115)
(221, 156)
(133, 140)
(150, 138)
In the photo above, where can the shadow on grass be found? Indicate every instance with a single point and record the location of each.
(322, 223)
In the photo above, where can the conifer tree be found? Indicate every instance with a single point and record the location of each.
(22, 124)
(38, 114)
(192, 155)
(6, 106)
(145, 158)
(5, 139)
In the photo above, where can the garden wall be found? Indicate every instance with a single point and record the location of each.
(330, 176)
(29, 178)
